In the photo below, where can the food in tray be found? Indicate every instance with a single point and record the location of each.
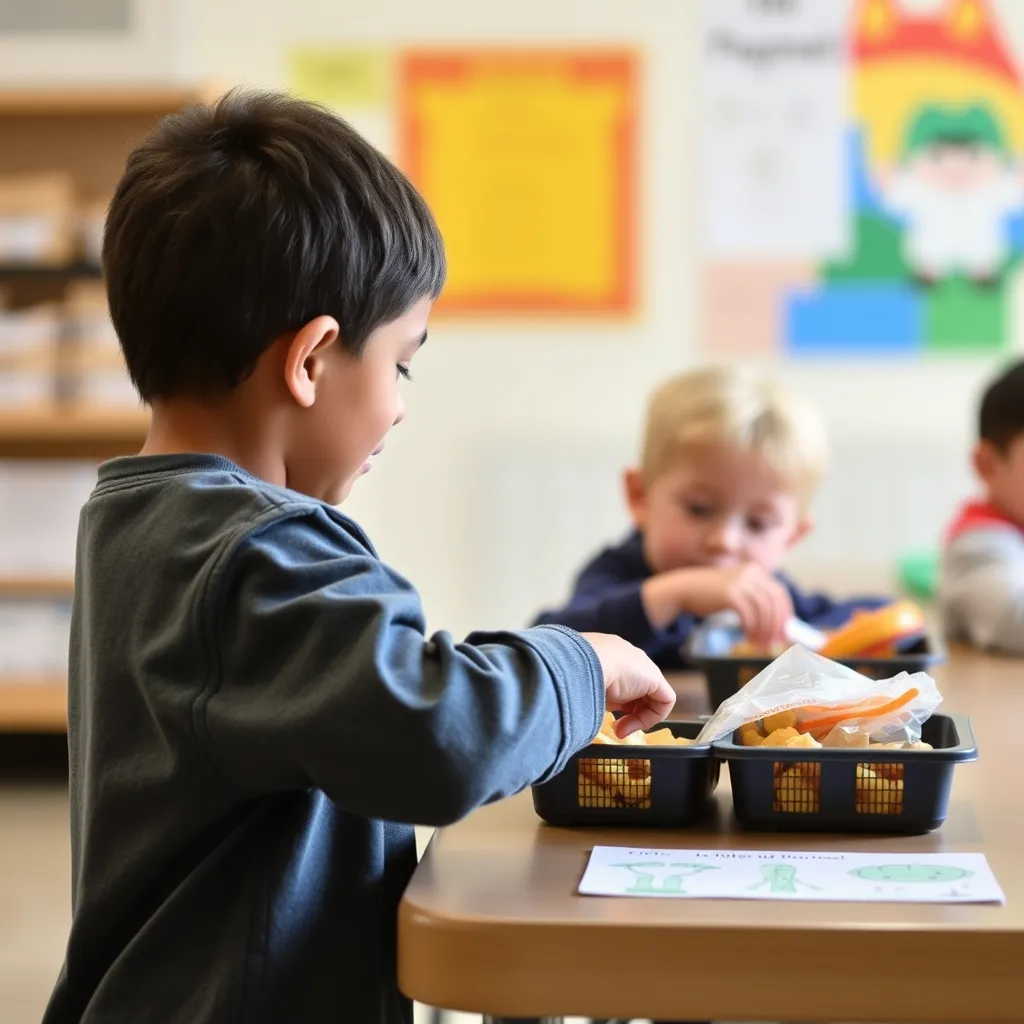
(624, 780)
(868, 634)
(878, 788)
(779, 720)
(748, 649)
(798, 788)
(658, 738)
(784, 729)
(614, 782)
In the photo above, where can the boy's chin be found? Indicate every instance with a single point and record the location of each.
(339, 492)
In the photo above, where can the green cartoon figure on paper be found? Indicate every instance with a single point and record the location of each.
(781, 878)
(956, 186)
(901, 873)
(655, 877)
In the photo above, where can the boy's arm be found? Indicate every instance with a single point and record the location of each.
(323, 676)
(982, 588)
(605, 604)
(821, 610)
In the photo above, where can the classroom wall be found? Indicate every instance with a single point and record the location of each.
(579, 385)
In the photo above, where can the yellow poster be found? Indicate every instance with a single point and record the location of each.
(528, 162)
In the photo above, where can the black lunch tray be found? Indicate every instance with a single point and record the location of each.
(850, 789)
(632, 785)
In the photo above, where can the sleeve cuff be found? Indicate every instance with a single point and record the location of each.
(580, 693)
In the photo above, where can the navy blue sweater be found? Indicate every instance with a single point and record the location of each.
(254, 705)
(606, 599)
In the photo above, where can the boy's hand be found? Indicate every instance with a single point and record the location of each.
(761, 601)
(633, 684)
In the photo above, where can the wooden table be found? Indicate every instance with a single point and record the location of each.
(491, 922)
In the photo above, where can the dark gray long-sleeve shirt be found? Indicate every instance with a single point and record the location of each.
(253, 703)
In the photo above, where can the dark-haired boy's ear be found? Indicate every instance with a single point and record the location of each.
(635, 491)
(303, 363)
(984, 457)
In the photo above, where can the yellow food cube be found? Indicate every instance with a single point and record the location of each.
(637, 793)
(879, 778)
(878, 795)
(797, 792)
(780, 720)
(779, 737)
(605, 771)
(804, 739)
(607, 734)
(750, 736)
(665, 738)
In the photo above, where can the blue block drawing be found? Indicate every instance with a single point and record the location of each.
(864, 197)
(854, 320)
(1015, 231)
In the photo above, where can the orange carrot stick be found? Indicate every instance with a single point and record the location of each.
(833, 709)
(828, 722)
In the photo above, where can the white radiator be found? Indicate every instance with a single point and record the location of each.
(541, 511)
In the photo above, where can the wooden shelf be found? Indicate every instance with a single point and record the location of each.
(39, 433)
(36, 587)
(78, 268)
(154, 99)
(87, 131)
(33, 705)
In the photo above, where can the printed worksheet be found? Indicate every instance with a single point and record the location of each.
(780, 875)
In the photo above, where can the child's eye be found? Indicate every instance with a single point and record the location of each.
(759, 525)
(699, 511)
(403, 372)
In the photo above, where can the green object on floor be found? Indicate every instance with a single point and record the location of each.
(918, 573)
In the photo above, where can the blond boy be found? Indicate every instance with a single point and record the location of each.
(729, 465)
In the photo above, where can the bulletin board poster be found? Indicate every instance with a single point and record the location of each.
(864, 178)
(528, 160)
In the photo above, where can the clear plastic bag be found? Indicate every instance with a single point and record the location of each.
(832, 702)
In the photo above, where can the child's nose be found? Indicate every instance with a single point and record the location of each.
(724, 538)
(399, 413)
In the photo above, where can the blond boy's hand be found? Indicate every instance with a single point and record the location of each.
(633, 684)
(761, 601)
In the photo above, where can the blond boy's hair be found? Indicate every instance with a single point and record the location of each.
(726, 406)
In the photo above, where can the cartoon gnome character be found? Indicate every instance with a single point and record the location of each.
(955, 186)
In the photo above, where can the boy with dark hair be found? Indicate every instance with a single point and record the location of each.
(253, 699)
(982, 578)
